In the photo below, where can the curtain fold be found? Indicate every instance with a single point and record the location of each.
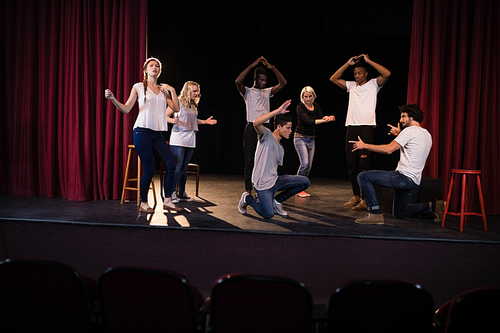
(61, 136)
(454, 77)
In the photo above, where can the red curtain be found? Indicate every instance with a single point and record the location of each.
(454, 73)
(60, 136)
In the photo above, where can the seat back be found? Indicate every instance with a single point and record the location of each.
(475, 311)
(146, 300)
(380, 306)
(249, 303)
(42, 296)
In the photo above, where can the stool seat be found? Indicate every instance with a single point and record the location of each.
(463, 202)
(137, 179)
(468, 172)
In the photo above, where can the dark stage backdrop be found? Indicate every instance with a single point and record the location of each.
(307, 43)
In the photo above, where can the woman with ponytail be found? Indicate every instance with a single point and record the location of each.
(153, 101)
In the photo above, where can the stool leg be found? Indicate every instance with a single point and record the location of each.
(462, 208)
(448, 197)
(138, 180)
(481, 202)
(197, 179)
(126, 176)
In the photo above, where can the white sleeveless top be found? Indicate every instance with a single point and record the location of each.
(153, 111)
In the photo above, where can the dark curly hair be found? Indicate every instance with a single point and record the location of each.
(413, 111)
(282, 119)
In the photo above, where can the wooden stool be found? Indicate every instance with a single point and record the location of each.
(463, 213)
(195, 169)
(191, 169)
(137, 180)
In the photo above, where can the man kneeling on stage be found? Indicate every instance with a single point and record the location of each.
(414, 144)
(268, 155)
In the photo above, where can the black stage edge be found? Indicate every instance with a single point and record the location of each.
(318, 244)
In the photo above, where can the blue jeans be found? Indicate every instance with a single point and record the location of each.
(150, 144)
(182, 157)
(305, 150)
(288, 184)
(403, 188)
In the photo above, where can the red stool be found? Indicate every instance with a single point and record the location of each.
(463, 214)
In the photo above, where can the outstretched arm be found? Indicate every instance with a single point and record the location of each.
(258, 123)
(243, 75)
(281, 78)
(124, 108)
(209, 121)
(384, 72)
(381, 149)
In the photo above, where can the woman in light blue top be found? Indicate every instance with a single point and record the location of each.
(183, 136)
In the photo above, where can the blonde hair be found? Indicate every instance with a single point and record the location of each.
(185, 96)
(145, 79)
(307, 89)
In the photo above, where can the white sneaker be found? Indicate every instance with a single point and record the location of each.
(174, 198)
(278, 208)
(242, 205)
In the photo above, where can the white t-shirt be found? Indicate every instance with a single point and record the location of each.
(257, 102)
(416, 143)
(152, 112)
(268, 155)
(184, 132)
(362, 103)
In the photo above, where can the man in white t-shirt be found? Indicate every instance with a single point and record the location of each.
(360, 119)
(414, 144)
(268, 156)
(257, 103)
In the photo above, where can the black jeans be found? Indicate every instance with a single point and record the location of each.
(356, 163)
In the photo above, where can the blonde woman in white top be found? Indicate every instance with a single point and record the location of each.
(183, 136)
(151, 121)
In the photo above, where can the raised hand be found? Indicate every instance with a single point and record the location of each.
(394, 130)
(354, 60)
(282, 109)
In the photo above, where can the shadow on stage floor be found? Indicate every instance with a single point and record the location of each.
(215, 209)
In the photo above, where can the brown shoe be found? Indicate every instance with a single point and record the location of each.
(148, 210)
(361, 206)
(439, 210)
(371, 219)
(353, 201)
(172, 208)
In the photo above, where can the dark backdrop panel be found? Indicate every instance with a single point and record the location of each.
(212, 46)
